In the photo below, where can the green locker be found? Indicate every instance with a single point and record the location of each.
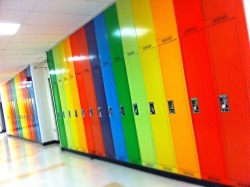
(122, 86)
(62, 97)
(57, 102)
(136, 84)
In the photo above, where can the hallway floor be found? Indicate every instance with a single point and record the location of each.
(23, 163)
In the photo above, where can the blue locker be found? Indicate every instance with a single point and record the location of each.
(110, 88)
(99, 88)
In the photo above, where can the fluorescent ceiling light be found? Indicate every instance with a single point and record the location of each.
(9, 28)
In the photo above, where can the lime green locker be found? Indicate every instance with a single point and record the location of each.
(62, 97)
(136, 84)
(68, 96)
(154, 86)
(57, 101)
(122, 87)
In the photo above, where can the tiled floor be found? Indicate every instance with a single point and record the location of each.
(26, 164)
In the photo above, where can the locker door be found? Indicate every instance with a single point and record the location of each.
(153, 83)
(76, 107)
(92, 52)
(121, 80)
(85, 113)
(201, 89)
(94, 117)
(136, 84)
(56, 99)
(175, 88)
(62, 97)
(110, 89)
(156, 104)
(68, 97)
(90, 96)
(232, 97)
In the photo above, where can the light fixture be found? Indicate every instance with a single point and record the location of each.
(9, 28)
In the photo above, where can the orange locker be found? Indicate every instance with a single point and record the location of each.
(175, 87)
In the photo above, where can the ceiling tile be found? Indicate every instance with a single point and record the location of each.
(13, 16)
(20, 5)
(37, 38)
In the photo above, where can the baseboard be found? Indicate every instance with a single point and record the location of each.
(51, 142)
(149, 170)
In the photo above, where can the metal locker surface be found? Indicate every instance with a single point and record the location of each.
(90, 92)
(122, 86)
(98, 86)
(62, 97)
(76, 107)
(68, 97)
(201, 87)
(175, 88)
(110, 88)
(228, 65)
(153, 84)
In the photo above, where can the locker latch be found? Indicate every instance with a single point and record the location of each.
(90, 112)
(83, 113)
(195, 105)
(136, 110)
(58, 115)
(63, 114)
(151, 107)
(110, 111)
(224, 103)
(100, 111)
(122, 110)
(69, 114)
(76, 115)
(171, 107)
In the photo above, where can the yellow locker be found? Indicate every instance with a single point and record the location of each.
(69, 102)
(153, 85)
(76, 112)
(175, 88)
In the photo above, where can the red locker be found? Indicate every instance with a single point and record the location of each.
(229, 45)
(90, 92)
(201, 90)
(82, 93)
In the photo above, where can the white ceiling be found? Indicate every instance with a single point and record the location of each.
(44, 23)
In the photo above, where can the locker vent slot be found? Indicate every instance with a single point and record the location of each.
(147, 47)
(224, 103)
(100, 111)
(192, 29)
(167, 39)
(136, 110)
(152, 108)
(131, 53)
(171, 107)
(195, 105)
(219, 19)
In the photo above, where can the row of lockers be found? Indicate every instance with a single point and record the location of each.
(20, 107)
(159, 83)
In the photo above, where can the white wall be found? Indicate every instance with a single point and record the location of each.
(4, 111)
(247, 13)
(44, 103)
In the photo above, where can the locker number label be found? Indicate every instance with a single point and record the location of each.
(195, 105)
(224, 103)
(152, 108)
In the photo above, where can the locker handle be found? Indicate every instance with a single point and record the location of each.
(110, 111)
(76, 114)
(152, 108)
(195, 105)
(90, 112)
(224, 103)
(122, 110)
(58, 115)
(136, 110)
(83, 113)
(171, 107)
(100, 111)
(63, 114)
(69, 114)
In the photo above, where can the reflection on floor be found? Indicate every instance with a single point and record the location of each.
(28, 164)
